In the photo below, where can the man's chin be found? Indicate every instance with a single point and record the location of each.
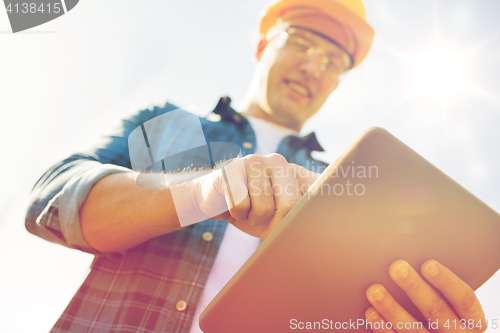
(289, 116)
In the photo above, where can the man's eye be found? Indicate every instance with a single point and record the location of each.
(301, 43)
(338, 62)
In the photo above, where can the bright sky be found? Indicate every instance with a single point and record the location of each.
(432, 79)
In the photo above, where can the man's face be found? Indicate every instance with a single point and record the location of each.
(293, 86)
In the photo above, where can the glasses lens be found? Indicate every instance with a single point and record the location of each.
(299, 43)
(334, 61)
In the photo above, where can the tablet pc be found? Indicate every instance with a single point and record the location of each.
(378, 202)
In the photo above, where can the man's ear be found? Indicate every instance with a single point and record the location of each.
(260, 48)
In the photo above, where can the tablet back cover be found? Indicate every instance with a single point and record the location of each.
(378, 202)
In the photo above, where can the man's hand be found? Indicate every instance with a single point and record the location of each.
(466, 315)
(261, 191)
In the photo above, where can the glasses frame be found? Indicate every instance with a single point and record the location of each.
(351, 59)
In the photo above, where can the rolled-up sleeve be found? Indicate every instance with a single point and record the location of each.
(56, 199)
(55, 208)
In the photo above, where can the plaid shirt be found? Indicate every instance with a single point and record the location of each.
(155, 286)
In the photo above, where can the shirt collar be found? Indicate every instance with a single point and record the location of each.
(227, 113)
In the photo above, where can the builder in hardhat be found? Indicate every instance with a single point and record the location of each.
(165, 276)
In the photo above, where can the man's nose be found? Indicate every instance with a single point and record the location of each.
(312, 65)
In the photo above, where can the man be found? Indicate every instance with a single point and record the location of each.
(152, 274)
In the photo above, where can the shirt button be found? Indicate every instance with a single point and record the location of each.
(247, 145)
(181, 306)
(207, 236)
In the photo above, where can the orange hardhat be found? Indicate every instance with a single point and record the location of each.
(350, 13)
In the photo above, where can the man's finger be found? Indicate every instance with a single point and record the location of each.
(232, 182)
(262, 204)
(285, 188)
(305, 177)
(377, 323)
(427, 300)
(460, 295)
(299, 180)
(392, 311)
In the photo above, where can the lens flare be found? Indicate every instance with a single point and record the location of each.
(441, 73)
